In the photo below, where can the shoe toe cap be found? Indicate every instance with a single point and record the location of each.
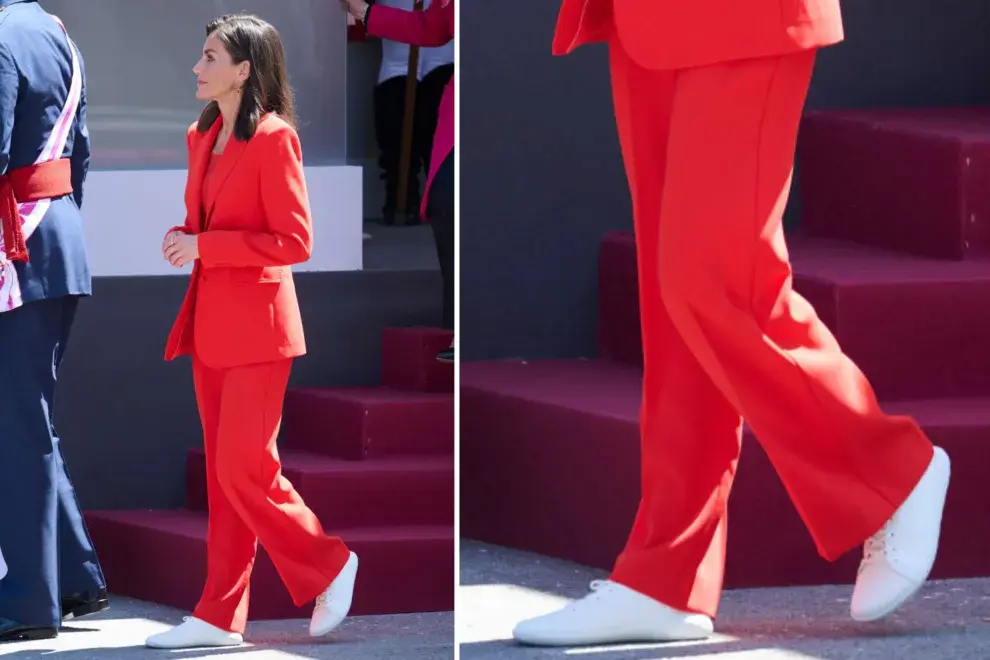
(879, 592)
(538, 631)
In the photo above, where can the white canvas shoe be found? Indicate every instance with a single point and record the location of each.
(612, 614)
(194, 633)
(333, 604)
(899, 557)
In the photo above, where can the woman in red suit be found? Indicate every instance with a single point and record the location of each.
(430, 28)
(247, 221)
(708, 97)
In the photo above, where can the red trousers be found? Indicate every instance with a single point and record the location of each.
(249, 499)
(708, 153)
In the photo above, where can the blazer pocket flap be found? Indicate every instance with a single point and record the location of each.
(255, 274)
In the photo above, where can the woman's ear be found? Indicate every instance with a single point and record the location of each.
(244, 72)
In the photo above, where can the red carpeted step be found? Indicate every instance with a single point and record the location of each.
(160, 556)
(618, 299)
(913, 180)
(414, 490)
(917, 327)
(409, 359)
(366, 422)
(564, 434)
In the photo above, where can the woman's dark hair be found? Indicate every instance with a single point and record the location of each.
(247, 38)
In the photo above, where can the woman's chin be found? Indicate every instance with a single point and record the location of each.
(203, 95)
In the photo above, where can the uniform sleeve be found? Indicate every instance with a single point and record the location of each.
(81, 149)
(429, 28)
(9, 82)
(285, 201)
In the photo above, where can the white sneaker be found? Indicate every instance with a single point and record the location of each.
(333, 604)
(194, 633)
(898, 558)
(612, 614)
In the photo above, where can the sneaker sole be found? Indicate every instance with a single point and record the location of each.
(616, 639)
(217, 645)
(894, 606)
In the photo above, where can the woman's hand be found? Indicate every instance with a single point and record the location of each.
(356, 8)
(179, 248)
(169, 239)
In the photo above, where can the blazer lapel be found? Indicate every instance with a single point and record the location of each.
(231, 154)
(199, 160)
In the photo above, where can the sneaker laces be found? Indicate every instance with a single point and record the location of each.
(596, 587)
(876, 546)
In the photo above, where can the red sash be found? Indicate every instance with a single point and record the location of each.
(29, 184)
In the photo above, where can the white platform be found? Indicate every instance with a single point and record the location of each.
(126, 213)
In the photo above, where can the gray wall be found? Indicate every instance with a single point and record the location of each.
(541, 177)
(142, 92)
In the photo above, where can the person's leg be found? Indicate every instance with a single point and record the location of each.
(231, 545)
(389, 99)
(29, 595)
(427, 107)
(249, 472)
(83, 586)
(220, 616)
(726, 282)
(690, 433)
(440, 210)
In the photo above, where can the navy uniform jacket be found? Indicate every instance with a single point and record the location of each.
(35, 74)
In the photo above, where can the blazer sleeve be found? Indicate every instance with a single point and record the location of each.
(429, 28)
(285, 202)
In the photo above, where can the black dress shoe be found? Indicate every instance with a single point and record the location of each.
(446, 355)
(14, 631)
(83, 604)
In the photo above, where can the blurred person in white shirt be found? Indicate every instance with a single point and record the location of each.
(435, 68)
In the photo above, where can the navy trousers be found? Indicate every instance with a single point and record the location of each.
(42, 532)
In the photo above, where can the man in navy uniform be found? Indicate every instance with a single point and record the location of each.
(54, 573)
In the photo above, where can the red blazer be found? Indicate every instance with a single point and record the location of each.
(430, 28)
(665, 34)
(240, 307)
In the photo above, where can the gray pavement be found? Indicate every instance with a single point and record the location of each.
(119, 634)
(499, 587)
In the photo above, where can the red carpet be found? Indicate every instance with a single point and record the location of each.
(914, 180)
(375, 464)
(917, 327)
(549, 450)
